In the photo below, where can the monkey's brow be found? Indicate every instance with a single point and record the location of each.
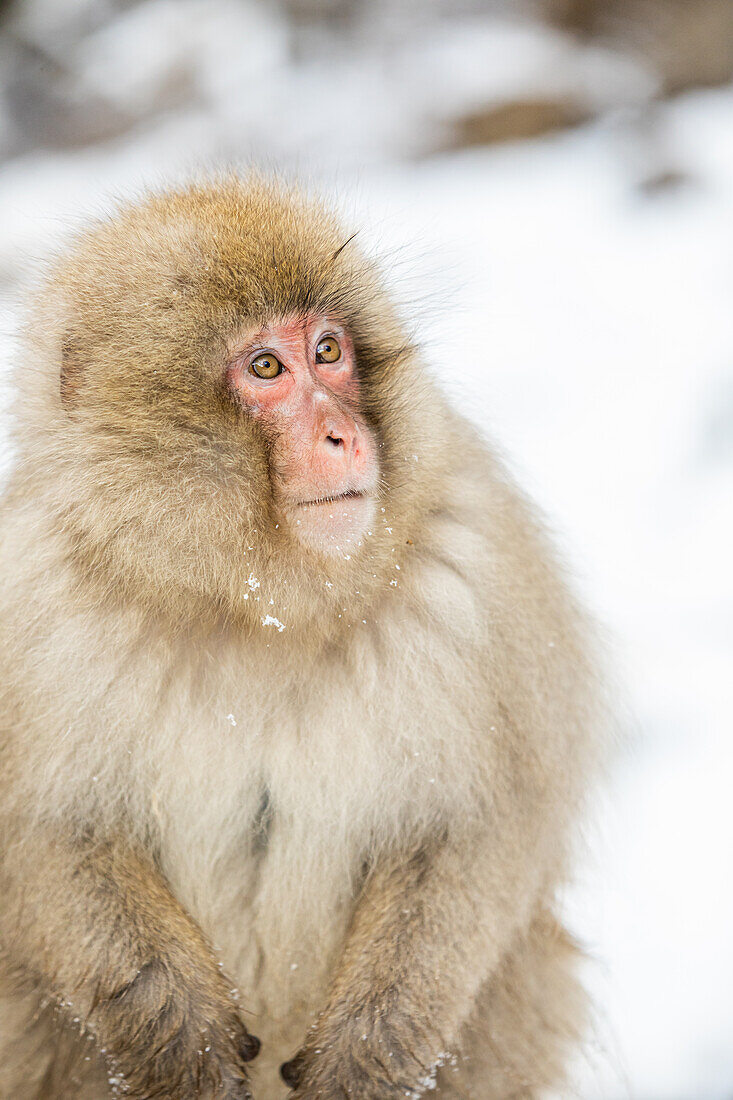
(254, 341)
(258, 338)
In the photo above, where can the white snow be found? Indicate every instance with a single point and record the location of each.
(270, 620)
(588, 327)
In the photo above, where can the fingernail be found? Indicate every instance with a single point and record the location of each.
(289, 1071)
(249, 1048)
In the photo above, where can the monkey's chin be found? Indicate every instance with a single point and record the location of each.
(334, 526)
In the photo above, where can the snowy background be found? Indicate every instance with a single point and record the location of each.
(551, 190)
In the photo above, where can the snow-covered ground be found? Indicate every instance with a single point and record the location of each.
(589, 329)
(587, 325)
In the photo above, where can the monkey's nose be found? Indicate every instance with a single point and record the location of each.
(343, 438)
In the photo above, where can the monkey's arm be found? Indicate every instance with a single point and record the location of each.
(99, 928)
(428, 931)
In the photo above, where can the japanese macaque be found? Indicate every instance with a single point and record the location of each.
(296, 713)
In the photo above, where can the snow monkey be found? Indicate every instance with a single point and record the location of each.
(296, 712)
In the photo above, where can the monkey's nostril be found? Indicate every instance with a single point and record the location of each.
(335, 440)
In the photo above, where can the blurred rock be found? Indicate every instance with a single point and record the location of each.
(521, 118)
(499, 80)
(688, 42)
(336, 13)
(396, 79)
(80, 72)
(43, 105)
(42, 102)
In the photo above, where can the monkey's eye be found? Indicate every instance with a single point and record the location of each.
(266, 366)
(328, 350)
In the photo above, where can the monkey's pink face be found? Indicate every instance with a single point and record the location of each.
(297, 378)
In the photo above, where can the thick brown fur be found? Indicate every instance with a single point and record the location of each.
(343, 786)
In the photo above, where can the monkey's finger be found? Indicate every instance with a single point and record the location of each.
(249, 1047)
(241, 1093)
(292, 1071)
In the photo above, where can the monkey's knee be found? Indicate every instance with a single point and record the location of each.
(528, 1020)
(25, 1041)
(40, 1058)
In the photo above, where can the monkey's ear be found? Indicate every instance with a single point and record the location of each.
(71, 371)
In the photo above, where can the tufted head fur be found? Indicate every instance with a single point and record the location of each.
(156, 479)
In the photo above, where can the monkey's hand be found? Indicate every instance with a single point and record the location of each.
(99, 926)
(174, 1036)
(413, 961)
(374, 1052)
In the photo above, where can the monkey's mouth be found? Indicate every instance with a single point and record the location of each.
(334, 523)
(350, 494)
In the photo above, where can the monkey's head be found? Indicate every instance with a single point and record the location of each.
(231, 419)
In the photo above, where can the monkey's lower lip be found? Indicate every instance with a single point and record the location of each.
(351, 494)
(332, 524)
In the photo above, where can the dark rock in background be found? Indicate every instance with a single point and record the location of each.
(689, 43)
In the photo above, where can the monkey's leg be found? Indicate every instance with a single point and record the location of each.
(102, 934)
(42, 1059)
(428, 934)
(527, 1019)
(26, 1039)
